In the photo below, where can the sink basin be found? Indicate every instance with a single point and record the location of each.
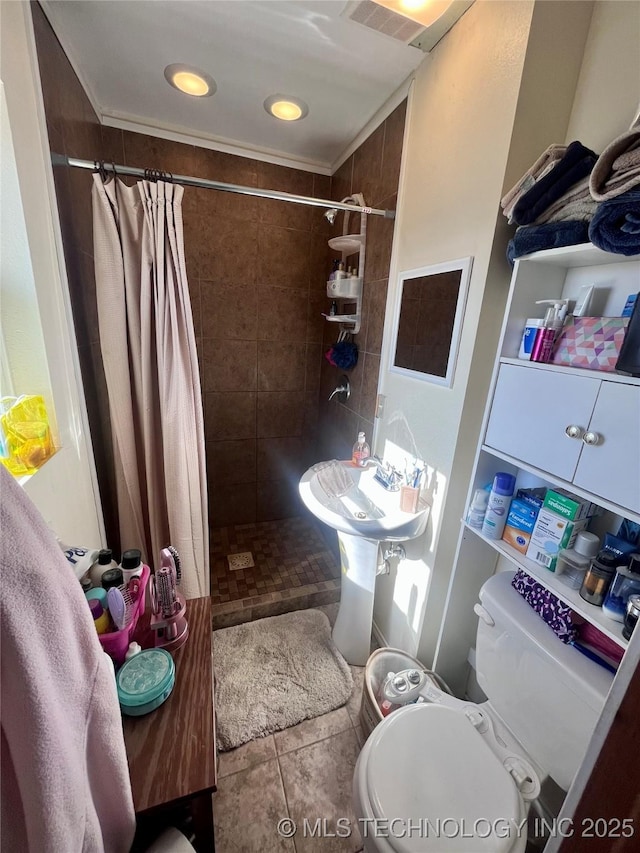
(367, 509)
(364, 515)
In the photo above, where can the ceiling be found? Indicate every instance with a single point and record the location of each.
(343, 70)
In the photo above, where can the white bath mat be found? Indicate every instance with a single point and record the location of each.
(274, 673)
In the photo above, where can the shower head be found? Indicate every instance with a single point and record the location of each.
(330, 215)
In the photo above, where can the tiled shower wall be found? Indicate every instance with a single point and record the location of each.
(374, 170)
(256, 270)
(257, 273)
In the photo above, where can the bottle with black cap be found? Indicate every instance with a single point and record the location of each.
(104, 562)
(131, 564)
(598, 578)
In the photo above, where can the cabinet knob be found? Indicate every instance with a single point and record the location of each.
(591, 438)
(574, 431)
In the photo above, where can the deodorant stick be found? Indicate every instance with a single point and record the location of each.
(498, 507)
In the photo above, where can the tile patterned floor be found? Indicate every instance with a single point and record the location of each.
(294, 569)
(302, 772)
(288, 553)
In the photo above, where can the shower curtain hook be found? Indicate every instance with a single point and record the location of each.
(100, 169)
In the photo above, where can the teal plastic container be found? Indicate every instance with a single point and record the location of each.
(145, 682)
(98, 594)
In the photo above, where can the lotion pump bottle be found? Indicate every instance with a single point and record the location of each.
(554, 320)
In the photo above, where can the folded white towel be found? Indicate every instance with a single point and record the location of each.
(334, 478)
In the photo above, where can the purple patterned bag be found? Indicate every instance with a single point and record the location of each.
(558, 616)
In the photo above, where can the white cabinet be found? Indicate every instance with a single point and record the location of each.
(531, 413)
(549, 425)
(579, 429)
(610, 467)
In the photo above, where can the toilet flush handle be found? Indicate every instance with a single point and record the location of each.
(484, 615)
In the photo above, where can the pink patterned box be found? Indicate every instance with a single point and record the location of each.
(591, 342)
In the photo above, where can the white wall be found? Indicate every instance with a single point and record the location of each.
(494, 93)
(608, 92)
(65, 488)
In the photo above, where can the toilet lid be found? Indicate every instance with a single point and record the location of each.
(432, 772)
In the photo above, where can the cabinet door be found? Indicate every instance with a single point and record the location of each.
(531, 410)
(611, 467)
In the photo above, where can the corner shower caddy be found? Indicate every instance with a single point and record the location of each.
(350, 290)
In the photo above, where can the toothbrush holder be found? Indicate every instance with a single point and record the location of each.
(409, 496)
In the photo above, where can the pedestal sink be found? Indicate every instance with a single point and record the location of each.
(364, 515)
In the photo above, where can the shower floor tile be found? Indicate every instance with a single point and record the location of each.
(289, 555)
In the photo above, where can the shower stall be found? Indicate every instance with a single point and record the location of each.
(257, 268)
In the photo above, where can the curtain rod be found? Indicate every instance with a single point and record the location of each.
(61, 160)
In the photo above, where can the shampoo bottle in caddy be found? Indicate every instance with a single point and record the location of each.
(546, 335)
(498, 507)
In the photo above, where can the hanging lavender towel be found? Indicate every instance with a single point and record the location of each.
(558, 616)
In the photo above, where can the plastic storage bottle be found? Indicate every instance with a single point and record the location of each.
(598, 579)
(361, 451)
(104, 562)
(573, 562)
(131, 564)
(478, 509)
(498, 505)
(100, 616)
(546, 335)
(625, 584)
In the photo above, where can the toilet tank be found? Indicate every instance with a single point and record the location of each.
(549, 694)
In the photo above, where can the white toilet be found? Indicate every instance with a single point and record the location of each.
(449, 775)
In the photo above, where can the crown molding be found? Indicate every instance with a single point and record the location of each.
(176, 133)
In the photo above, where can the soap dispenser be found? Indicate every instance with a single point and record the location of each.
(361, 451)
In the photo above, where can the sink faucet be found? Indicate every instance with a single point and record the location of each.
(373, 461)
(386, 474)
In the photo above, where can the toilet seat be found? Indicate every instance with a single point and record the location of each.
(427, 761)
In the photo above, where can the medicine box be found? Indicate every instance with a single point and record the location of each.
(569, 506)
(520, 523)
(550, 535)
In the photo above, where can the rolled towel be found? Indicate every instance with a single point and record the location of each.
(617, 169)
(552, 235)
(616, 224)
(576, 164)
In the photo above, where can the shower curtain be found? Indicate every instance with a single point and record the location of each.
(151, 368)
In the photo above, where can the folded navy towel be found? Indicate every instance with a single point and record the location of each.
(551, 235)
(576, 164)
(615, 226)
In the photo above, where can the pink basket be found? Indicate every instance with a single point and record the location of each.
(116, 643)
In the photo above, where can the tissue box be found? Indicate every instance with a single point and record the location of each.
(550, 535)
(591, 342)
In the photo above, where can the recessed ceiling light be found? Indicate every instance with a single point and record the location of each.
(285, 107)
(190, 80)
(425, 12)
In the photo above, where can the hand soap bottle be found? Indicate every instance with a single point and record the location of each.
(361, 451)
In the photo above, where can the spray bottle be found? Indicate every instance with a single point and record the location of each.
(547, 333)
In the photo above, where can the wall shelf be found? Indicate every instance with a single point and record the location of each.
(574, 371)
(569, 596)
